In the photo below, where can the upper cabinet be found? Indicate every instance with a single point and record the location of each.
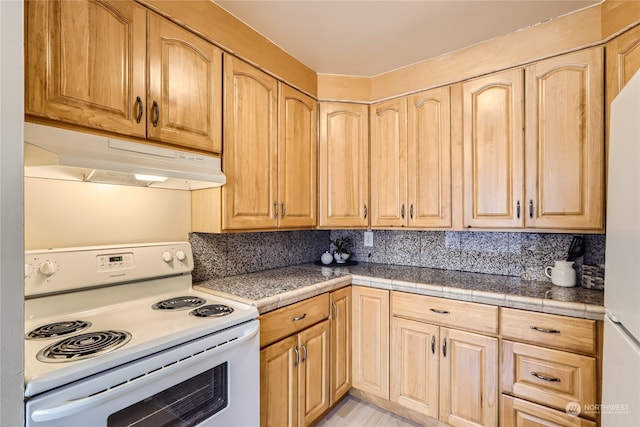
(250, 147)
(297, 160)
(545, 171)
(564, 142)
(87, 64)
(269, 157)
(411, 161)
(623, 61)
(493, 148)
(343, 165)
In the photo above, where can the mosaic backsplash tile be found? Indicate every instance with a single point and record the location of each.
(522, 255)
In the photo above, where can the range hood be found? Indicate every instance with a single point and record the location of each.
(57, 153)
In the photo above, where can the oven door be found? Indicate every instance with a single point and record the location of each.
(212, 381)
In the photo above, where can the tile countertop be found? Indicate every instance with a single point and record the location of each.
(272, 289)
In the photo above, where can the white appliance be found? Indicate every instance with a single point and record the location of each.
(621, 364)
(57, 153)
(116, 336)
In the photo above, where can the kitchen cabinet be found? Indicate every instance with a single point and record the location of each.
(440, 371)
(297, 159)
(294, 380)
(131, 72)
(269, 157)
(564, 142)
(370, 347)
(561, 148)
(622, 62)
(343, 159)
(250, 147)
(552, 361)
(411, 161)
(340, 367)
(517, 412)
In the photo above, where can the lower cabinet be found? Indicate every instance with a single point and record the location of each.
(444, 373)
(294, 378)
(517, 412)
(305, 361)
(370, 345)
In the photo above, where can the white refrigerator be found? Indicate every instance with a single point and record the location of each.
(621, 363)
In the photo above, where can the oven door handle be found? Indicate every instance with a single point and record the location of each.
(85, 403)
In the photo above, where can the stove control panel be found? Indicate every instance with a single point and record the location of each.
(60, 270)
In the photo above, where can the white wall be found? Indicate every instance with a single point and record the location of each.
(67, 213)
(11, 219)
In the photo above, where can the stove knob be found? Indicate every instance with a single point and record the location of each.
(48, 268)
(167, 257)
(181, 255)
(28, 270)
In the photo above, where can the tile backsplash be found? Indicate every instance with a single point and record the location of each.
(510, 254)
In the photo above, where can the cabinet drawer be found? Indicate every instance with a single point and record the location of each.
(516, 412)
(446, 312)
(292, 319)
(564, 333)
(550, 377)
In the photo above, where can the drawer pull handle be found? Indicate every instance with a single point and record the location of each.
(295, 349)
(140, 108)
(335, 311)
(444, 347)
(439, 311)
(295, 319)
(156, 113)
(546, 331)
(433, 344)
(545, 378)
(304, 353)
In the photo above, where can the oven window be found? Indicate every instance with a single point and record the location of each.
(185, 404)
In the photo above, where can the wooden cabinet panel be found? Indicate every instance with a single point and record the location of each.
(468, 379)
(185, 92)
(440, 311)
(344, 165)
(493, 150)
(549, 330)
(297, 164)
(289, 320)
(371, 341)
(314, 372)
(550, 377)
(389, 163)
(520, 413)
(86, 63)
(250, 147)
(622, 62)
(429, 159)
(565, 142)
(340, 343)
(414, 365)
(279, 384)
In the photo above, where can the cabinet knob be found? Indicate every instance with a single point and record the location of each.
(402, 211)
(365, 211)
(518, 209)
(531, 208)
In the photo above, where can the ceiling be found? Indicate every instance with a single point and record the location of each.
(370, 37)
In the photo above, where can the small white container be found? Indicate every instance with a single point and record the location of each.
(562, 274)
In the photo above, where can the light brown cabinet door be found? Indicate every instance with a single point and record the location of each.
(520, 413)
(388, 122)
(184, 105)
(297, 160)
(344, 165)
(279, 383)
(429, 159)
(340, 369)
(493, 150)
(468, 379)
(565, 142)
(86, 64)
(622, 62)
(414, 365)
(313, 372)
(370, 341)
(250, 147)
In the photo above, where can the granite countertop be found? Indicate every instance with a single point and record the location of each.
(272, 289)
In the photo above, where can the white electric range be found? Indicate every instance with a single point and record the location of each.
(115, 335)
